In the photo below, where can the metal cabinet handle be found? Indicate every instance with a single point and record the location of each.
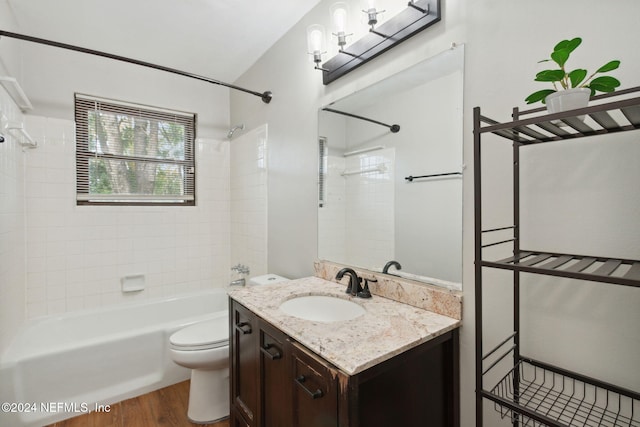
(244, 327)
(314, 394)
(273, 356)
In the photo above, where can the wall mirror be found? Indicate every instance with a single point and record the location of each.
(387, 194)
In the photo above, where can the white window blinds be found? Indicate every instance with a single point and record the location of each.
(132, 154)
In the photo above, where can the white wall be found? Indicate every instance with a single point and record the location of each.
(59, 73)
(577, 322)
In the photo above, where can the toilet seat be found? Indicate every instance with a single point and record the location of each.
(205, 335)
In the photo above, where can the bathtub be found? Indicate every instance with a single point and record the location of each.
(62, 366)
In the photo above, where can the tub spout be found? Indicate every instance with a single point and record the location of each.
(239, 282)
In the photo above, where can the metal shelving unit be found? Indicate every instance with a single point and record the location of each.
(532, 392)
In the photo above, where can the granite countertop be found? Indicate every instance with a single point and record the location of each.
(387, 328)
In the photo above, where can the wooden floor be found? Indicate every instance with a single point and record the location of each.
(164, 407)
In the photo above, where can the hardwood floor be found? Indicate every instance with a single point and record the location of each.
(164, 407)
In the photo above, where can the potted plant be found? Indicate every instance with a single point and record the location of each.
(571, 89)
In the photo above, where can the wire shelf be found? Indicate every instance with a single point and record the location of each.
(609, 270)
(564, 400)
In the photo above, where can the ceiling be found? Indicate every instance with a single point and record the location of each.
(219, 39)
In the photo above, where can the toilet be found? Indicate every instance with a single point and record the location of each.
(204, 348)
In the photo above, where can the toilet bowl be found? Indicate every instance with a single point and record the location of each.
(204, 348)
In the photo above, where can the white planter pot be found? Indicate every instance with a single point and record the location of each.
(569, 99)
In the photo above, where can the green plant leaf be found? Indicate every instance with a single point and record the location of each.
(577, 76)
(560, 57)
(538, 96)
(569, 45)
(609, 66)
(550, 76)
(604, 84)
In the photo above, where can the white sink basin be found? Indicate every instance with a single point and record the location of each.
(321, 308)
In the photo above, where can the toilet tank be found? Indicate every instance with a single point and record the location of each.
(266, 279)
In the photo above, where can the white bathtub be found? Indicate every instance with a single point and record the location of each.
(62, 366)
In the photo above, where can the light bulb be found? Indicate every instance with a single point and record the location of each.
(339, 16)
(315, 38)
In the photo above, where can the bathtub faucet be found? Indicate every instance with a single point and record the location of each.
(241, 269)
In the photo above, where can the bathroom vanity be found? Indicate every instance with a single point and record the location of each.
(393, 365)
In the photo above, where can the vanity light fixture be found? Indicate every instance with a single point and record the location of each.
(316, 44)
(417, 16)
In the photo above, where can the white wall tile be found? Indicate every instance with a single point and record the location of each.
(76, 255)
(248, 204)
(13, 274)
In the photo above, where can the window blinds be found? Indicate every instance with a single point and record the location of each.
(132, 154)
(323, 152)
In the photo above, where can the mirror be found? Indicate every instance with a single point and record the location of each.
(386, 195)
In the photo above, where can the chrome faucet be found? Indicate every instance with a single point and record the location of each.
(241, 269)
(396, 264)
(239, 282)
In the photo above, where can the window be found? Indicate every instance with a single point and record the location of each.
(128, 154)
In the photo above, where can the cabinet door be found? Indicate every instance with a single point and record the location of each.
(315, 390)
(244, 362)
(275, 390)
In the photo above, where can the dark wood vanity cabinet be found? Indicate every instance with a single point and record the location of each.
(277, 382)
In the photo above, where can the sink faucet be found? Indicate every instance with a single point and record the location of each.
(354, 281)
(396, 264)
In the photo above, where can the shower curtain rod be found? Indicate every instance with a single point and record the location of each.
(265, 96)
(393, 128)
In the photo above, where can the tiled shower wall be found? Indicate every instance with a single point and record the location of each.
(249, 172)
(12, 225)
(76, 256)
(358, 209)
(369, 202)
